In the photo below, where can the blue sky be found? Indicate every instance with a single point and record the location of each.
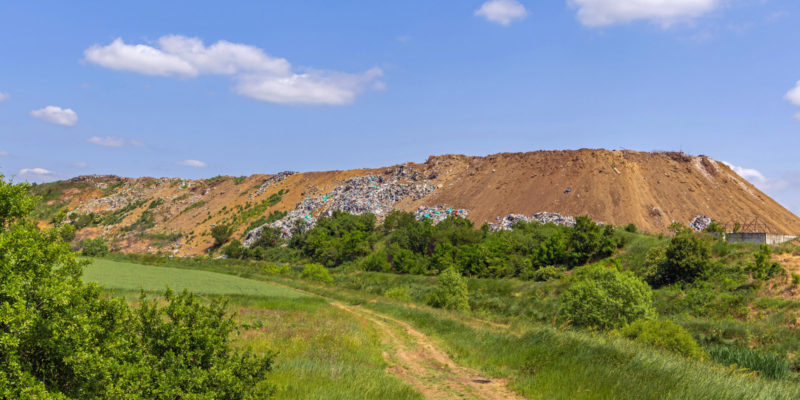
(196, 89)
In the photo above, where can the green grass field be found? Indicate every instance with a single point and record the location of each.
(129, 276)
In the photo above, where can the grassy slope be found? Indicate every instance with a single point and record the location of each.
(322, 352)
(545, 362)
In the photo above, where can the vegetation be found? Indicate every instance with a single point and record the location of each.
(96, 247)
(221, 234)
(664, 334)
(452, 293)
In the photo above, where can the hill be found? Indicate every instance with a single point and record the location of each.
(650, 190)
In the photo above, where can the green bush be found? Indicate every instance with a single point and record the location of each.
(631, 228)
(316, 272)
(221, 234)
(605, 298)
(664, 334)
(451, 293)
(96, 247)
(762, 268)
(687, 257)
(276, 269)
(547, 273)
(767, 364)
(234, 249)
(67, 232)
(398, 293)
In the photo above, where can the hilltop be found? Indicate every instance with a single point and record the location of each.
(650, 190)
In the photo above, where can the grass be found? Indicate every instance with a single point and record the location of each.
(322, 352)
(129, 276)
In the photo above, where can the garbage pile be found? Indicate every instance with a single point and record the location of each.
(700, 223)
(363, 194)
(507, 223)
(269, 181)
(438, 214)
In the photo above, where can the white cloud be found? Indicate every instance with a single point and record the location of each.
(4, 96)
(793, 96)
(257, 74)
(56, 115)
(192, 163)
(502, 12)
(107, 141)
(135, 142)
(35, 171)
(758, 179)
(664, 12)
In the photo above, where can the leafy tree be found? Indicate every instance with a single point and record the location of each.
(687, 257)
(606, 298)
(221, 234)
(234, 249)
(589, 241)
(270, 237)
(452, 292)
(67, 232)
(96, 247)
(63, 339)
(762, 268)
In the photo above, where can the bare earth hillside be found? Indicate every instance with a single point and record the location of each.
(650, 190)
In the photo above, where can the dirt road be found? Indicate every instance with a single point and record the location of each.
(418, 361)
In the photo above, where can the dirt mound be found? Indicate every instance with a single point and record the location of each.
(650, 190)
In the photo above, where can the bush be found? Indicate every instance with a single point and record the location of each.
(452, 292)
(96, 247)
(67, 232)
(631, 228)
(547, 273)
(762, 268)
(767, 364)
(316, 272)
(376, 262)
(398, 293)
(276, 269)
(234, 250)
(605, 298)
(221, 234)
(664, 334)
(687, 257)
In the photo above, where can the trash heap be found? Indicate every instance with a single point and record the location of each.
(507, 223)
(438, 214)
(269, 181)
(700, 223)
(363, 194)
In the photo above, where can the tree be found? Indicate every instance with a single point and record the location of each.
(605, 298)
(63, 339)
(452, 292)
(96, 247)
(687, 257)
(221, 234)
(589, 241)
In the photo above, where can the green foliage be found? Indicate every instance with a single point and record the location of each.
(339, 238)
(155, 203)
(67, 233)
(589, 241)
(631, 227)
(62, 339)
(272, 217)
(96, 247)
(398, 293)
(605, 298)
(451, 293)
(768, 365)
(762, 268)
(221, 234)
(196, 204)
(316, 272)
(664, 334)
(547, 273)
(715, 227)
(686, 258)
(238, 180)
(795, 279)
(270, 237)
(234, 249)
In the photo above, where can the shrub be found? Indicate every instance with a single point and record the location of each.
(316, 272)
(767, 364)
(221, 234)
(589, 241)
(452, 292)
(276, 269)
(547, 273)
(631, 228)
(687, 257)
(795, 279)
(664, 334)
(398, 293)
(67, 232)
(234, 249)
(376, 262)
(96, 247)
(762, 268)
(606, 298)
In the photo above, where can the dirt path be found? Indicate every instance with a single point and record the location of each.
(428, 369)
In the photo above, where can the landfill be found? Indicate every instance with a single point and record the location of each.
(700, 223)
(269, 181)
(438, 214)
(363, 194)
(507, 223)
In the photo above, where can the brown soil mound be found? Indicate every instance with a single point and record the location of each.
(650, 190)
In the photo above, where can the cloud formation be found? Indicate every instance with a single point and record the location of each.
(56, 115)
(4, 96)
(107, 141)
(257, 74)
(663, 12)
(757, 178)
(793, 96)
(502, 12)
(191, 163)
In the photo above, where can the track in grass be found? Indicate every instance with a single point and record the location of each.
(129, 276)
